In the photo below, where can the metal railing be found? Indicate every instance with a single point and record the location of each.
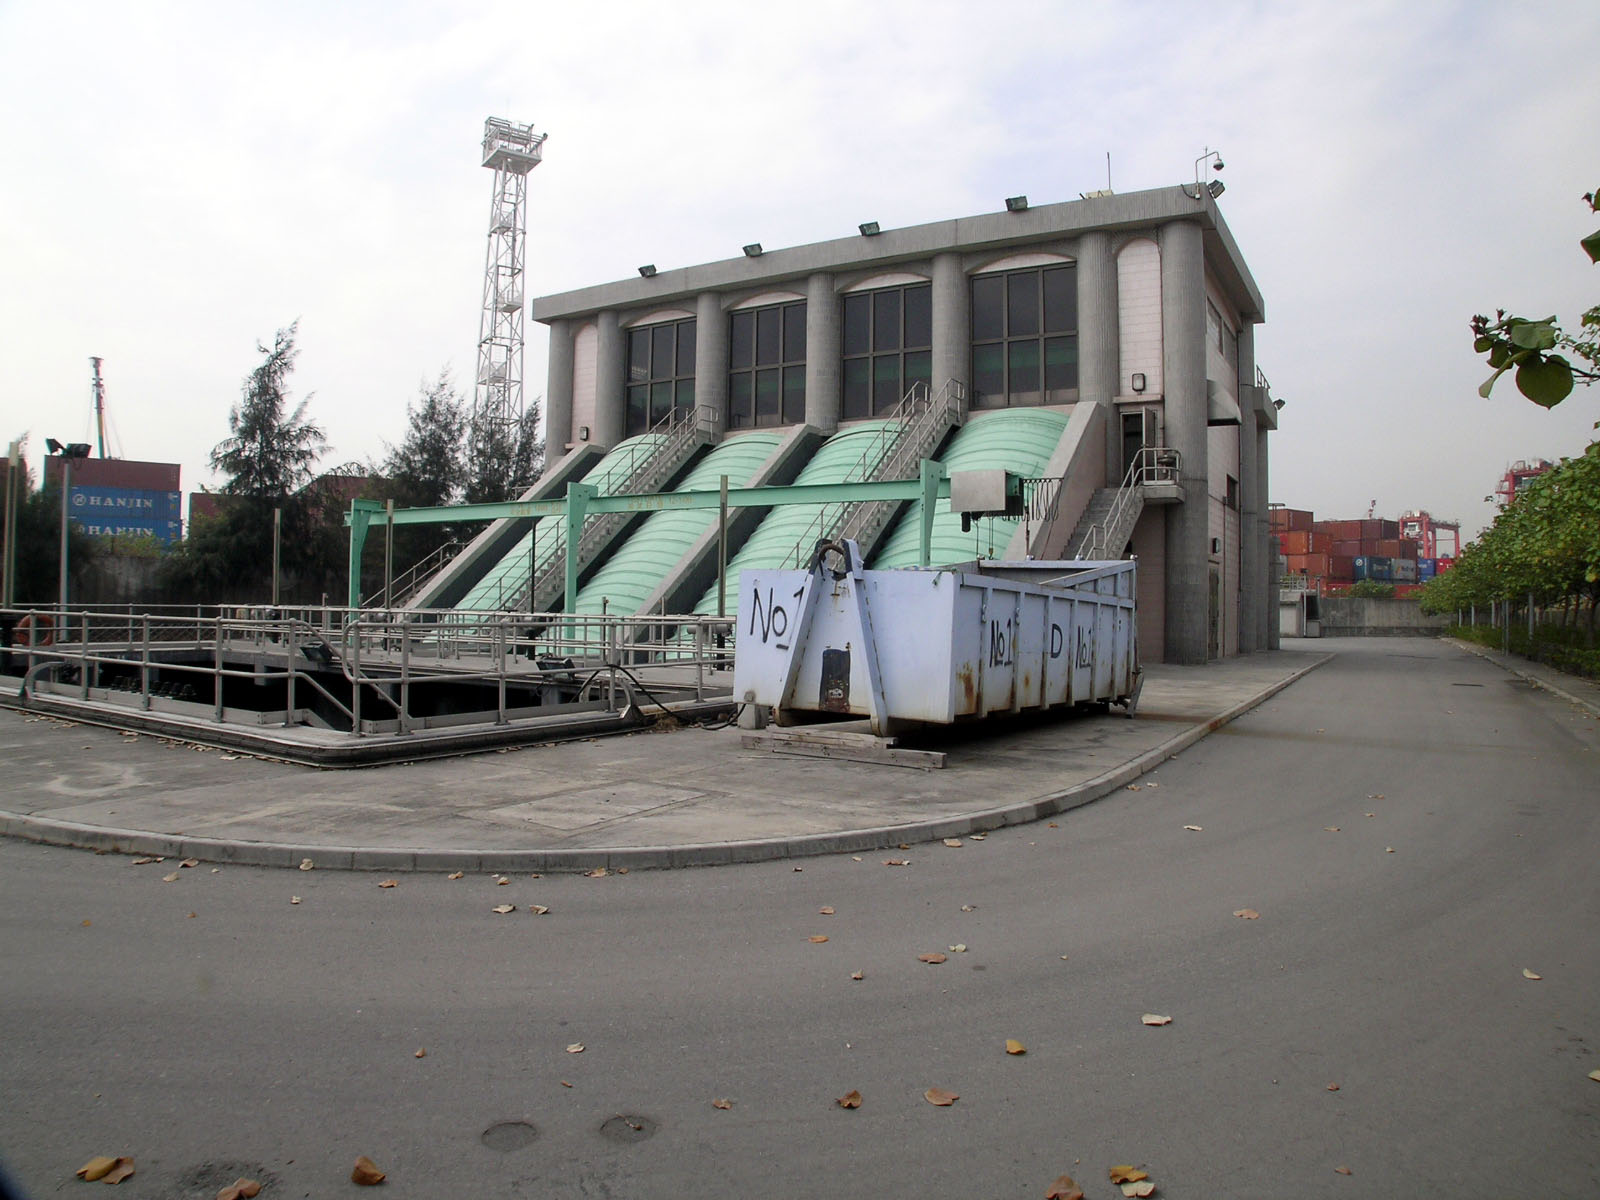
(194, 665)
(1041, 505)
(893, 451)
(1151, 464)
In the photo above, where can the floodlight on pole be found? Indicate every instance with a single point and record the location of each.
(66, 452)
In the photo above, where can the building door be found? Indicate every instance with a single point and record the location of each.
(1214, 624)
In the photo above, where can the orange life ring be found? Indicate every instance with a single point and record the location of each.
(24, 634)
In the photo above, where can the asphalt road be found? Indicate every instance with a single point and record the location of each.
(209, 1028)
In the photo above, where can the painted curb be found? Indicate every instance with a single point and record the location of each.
(104, 840)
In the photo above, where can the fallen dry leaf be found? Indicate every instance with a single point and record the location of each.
(1248, 914)
(173, 878)
(539, 910)
(851, 1099)
(455, 875)
(1140, 1189)
(95, 1168)
(953, 843)
(1155, 1019)
(366, 1172)
(857, 975)
(502, 909)
(564, 1083)
(1126, 1173)
(1015, 1047)
(1064, 1188)
(1342, 1171)
(143, 862)
(978, 837)
(817, 939)
(1527, 974)
(1595, 1075)
(389, 883)
(932, 960)
(826, 910)
(422, 1052)
(1333, 1087)
(190, 862)
(1330, 828)
(306, 864)
(120, 1170)
(959, 948)
(501, 881)
(86, 924)
(1152, 783)
(1053, 825)
(1388, 849)
(575, 1048)
(1134, 787)
(240, 1189)
(940, 1098)
(1193, 828)
(896, 862)
(191, 916)
(724, 1105)
(969, 908)
(597, 873)
(1375, 796)
(294, 899)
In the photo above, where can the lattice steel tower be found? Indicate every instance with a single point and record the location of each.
(510, 151)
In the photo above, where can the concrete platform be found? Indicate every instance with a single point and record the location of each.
(691, 796)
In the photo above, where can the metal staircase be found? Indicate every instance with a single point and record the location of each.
(911, 433)
(408, 583)
(1107, 523)
(681, 433)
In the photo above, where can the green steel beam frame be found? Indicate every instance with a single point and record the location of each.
(583, 500)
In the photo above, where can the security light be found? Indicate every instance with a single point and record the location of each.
(648, 270)
(869, 229)
(1216, 187)
(1016, 204)
(753, 250)
(1278, 404)
(1138, 381)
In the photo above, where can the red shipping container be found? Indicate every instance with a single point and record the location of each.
(1297, 519)
(1321, 543)
(1349, 548)
(1345, 531)
(1295, 542)
(1342, 567)
(1318, 566)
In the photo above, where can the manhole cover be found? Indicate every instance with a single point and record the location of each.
(506, 1136)
(626, 1127)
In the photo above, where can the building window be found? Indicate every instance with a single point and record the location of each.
(1025, 337)
(888, 347)
(767, 366)
(660, 373)
(1231, 497)
(1222, 337)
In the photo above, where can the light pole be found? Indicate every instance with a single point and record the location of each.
(8, 557)
(67, 452)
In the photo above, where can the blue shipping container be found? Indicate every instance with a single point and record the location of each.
(97, 504)
(1427, 568)
(1367, 566)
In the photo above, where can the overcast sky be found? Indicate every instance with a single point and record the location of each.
(179, 180)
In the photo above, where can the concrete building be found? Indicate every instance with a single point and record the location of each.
(1132, 314)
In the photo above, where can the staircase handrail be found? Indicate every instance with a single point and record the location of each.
(405, 585)
(1151, 464)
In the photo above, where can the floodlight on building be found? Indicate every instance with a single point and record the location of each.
(1016, 204)
(869, 229)
(648, 270)
(1278, 404)
(1214, 157)
(753, 250)
(1216, 187)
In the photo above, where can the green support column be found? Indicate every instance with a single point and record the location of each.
(932, 475)
(578, 497)
(359, 519)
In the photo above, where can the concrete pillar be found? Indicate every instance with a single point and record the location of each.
(1252, 584)
(1098, 363)
(1183, 362)
(711, 357)
(952, 322)
(823, 334)
(1266, 547)
(558, 392)
(610, 404)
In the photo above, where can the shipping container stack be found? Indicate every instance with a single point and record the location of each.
(1332, 555)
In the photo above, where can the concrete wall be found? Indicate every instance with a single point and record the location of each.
(1350, 616)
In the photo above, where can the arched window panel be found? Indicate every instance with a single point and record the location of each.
(1025, 336)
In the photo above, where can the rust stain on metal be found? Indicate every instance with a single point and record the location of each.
(969, 691)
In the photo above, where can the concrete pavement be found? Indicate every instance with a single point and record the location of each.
(689, 797)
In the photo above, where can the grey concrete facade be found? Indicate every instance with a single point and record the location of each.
(1197, 256)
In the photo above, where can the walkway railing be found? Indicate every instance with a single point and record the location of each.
(1151, 464)
(362, 672)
